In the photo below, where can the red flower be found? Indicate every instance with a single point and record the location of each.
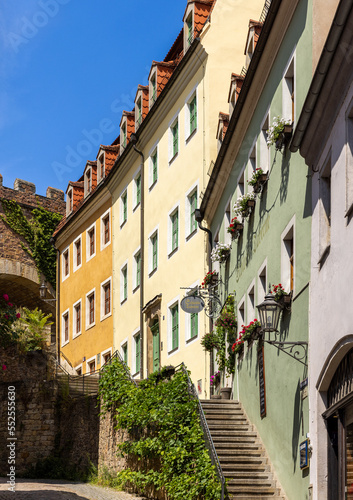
(10, 305)
(6, 297)
(18, 315)
(4, 367)
(6, 316)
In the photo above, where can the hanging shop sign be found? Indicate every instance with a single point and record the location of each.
(192, 304)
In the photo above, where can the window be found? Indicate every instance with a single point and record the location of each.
(173, 233)
(137, 269)
(65, 327)
(106, 355)
(264, 150)
(77, 253)
(137, 190)
(191, 206)
(227, 219)
(123, 208)
(91, 243)
(88, 181)
(154, 241)
(153, 90)
(252, 163)
(349, 162)
(241, 314)
(90, 309)
(251, 303)
(65, 264)
(106, 299)
(69, 202)
(153, 177)
(101, 164)
(91, 365)
(288, 93)
(77, 319)
(124, 353)
(288, 258)
(123, 135)
(192, 320)
(174, 317)
(105, 229)
(139, 112)
(189, 30)
(325, 210)
(78, 370)
(123, 284)
(173, 139)
(137, 341)
(262, 284)
(191, 115)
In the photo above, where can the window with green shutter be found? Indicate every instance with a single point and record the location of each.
(138, 269)
(175, 326)
(138, 189)
(154, 167)
(123, 131)
(194, 325)
(138, 353)
(125, 353)
(175, 138)
(139, 111)
(154, 89)
(124, 283)
(175, 230)
(154, 252)
(189, 29)
(193, 115)
(193, 206)
(124, 206)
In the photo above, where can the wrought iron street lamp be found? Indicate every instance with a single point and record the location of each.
(269, 312)
(43, 292)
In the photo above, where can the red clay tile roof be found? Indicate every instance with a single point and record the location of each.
(176, 49)
(115, 147)
(78, 184)
(252, 22)
(235, 78)
(60, 225)
(224, 116)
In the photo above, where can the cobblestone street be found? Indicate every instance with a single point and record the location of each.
(59, 490)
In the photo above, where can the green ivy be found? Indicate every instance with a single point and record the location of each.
(37, 233)
(226, 332)
(165, 437)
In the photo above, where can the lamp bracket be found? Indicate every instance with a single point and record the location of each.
(296, 350)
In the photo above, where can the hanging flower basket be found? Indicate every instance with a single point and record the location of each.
(211, 279)
(238, 346)
(210, 341)
(244, 205)
(235, 228)
(279, 133)
(221, 252)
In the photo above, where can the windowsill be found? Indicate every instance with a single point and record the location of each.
(139, 203)
(190, 340)
(173, 351)
(123, 224)
(65, 278)
(88, 327)
(152, 272)
(90, 257)
(189, 236)
(191, 136)
(65, 343)
(123, 301)
(136, 288)
(74, 336)
(106, 316)
(77, 268)
(152, 185)
(173, 158)
(173, 252)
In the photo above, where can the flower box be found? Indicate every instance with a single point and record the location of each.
(211, 279)
(279, 133)
(245, 204)
(221, 252)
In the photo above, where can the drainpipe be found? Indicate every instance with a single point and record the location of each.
(133, 141)
(52, 241)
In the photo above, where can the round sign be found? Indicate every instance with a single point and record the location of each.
(192, 304)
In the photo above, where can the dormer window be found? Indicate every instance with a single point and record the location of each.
(69, 202)
(153, 91)
(88, 181)
(223, 122)
(123, 135)
(139, 112)
(234, 90)
(101, 166)
(189, 29)
(251, 41)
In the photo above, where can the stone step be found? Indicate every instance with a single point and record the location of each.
(238, 430)
(245, 476)
(241, 469)
(221, 445)
(261, 482)
(235, 439)
(253, 490)
(223, 417)
(217, 425)
(256, 497)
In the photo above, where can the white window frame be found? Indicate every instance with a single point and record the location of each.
(122, 298)
(286, 93)
(136, 175)
(101, 153)
(139, 97)
(75, 266)
(87, 324)
(122, 344)
(188, 339)
(69, 210)
(63, 341)
(171, 304)
(240, 317)
(226, 222)
(103, 353)
(123, 124)
(104, 316)
(134, 270)
(122, 221)
(175, 120)
(151, 183)
(154, 74)
(79, 367)
(251, 308)
(252, 162)
(189, 11)
(107, 213)
(155, 231)
(189, 193)
(262, 291)
(88, 361)
(170, 250)
(88, 256)
(74, 332)
(188, 134)
(285, 264)
(263, 158)
(135, 373)
(86, 192)
(63, 275)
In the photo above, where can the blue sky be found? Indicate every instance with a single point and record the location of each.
(67, 70)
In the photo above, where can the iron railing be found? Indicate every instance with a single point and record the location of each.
(77, 385)
(206, 431)
(117, 355)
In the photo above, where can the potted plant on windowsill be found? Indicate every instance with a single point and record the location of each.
(244, 204)
(211, 279)
(258, 180)
(281, 296)
(238, 346)
(279, 133)
(251, 331)
(235, 227)
(221, 252)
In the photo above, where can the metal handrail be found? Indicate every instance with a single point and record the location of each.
(206, 431)
(126, 368)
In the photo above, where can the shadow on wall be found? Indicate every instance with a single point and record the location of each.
(298, 415)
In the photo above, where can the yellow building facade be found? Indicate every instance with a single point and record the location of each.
(157, 183)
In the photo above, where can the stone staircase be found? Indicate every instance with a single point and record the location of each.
(242, 456)
(77, 385)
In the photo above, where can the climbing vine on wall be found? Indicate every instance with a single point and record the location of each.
(37, 232)
(225, 329)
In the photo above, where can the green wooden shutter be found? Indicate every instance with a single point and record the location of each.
(175, 230)
(124, 199)
(138, 353)
(189, 25)
(154, 163)
(175, 132)
(138, 269)
(138, 190)
(193, 206)
(175, 327)
(154, 252)
(194, 325)
(125, 282)
(125, 353)
(193, 115)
